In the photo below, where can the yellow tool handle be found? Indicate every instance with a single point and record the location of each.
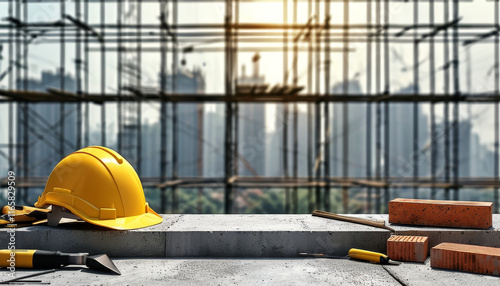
(20, 258)
(368, 256)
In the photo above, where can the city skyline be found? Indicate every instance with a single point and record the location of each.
(50, 79)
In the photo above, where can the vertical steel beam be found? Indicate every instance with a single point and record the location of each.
(285, 154)
(497, 89)
(11, 86)
(285, 105)
(78, 73)
(103, 72)
(86, 76)
(456, 90)
(163, 112)
(326, 108)
(200, 155)
(369, 105)
(345, 107)
(234, 138)
(234, 72)
(317, 127)
(21, 128)
(139, 86)
(295, 195)
(120, 76)
(416, 85)
(446, 105)
(310, 162)
(228, 144)
(432, 81)
(62, 71)
(175, 124)
(386, 105)
(27, 124)
(378, 113)
(21, 150)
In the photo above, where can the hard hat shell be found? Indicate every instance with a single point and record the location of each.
(101, 187)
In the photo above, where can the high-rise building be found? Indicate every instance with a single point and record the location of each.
(464, 147)
(151, 149)
(469, 148)
(190, 131)
(44, 125)
(356, 159)
(402, 140)
(42, 121)
(213, 148)
(252, 128)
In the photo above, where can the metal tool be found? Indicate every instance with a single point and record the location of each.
(358, 254)
(18, 279)
(363, 221)
(39, 259)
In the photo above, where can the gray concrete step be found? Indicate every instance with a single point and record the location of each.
(235, 236)
(255, 271)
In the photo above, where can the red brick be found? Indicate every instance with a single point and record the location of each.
(408, 248)
(441, 213)
(465, 257)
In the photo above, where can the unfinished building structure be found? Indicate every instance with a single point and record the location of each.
(331, 109)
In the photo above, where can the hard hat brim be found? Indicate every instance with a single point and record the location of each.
(120, 223)
(126, 223)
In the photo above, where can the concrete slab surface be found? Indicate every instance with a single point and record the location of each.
(413, 273)
(237, 236)
(254, 271)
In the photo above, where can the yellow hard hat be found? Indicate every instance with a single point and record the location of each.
(101, 187)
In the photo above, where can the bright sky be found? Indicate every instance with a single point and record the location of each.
(45, 56)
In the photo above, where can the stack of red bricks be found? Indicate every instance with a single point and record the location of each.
(463, 257)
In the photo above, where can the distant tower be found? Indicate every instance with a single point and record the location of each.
(251, 129)
(129, 142)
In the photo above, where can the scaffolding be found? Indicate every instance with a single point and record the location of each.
(316, 40)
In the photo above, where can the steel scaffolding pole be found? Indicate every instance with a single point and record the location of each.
(369, 108)
(496, 112)
(163, 114)
(11, 86)
(228, 151)
(78, 73)
(378, 116)
(416, 87)
(285, 105)
(387, 90)
(103, 72)
(139, 85)
(326, 110)
(318, 38)
(345, 111)
(295, 194)
(317, 127)
(456, 92)
(432, 87)
(175, 125)
(310, 133)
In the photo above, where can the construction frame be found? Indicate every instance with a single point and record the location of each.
(316, 38)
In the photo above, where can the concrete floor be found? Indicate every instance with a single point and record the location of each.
(246, 236)
(254, 271)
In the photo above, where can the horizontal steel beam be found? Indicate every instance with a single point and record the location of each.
(281, 182)
(45, 97)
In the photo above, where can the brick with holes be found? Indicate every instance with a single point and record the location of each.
(408, 248)
(466, 257)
